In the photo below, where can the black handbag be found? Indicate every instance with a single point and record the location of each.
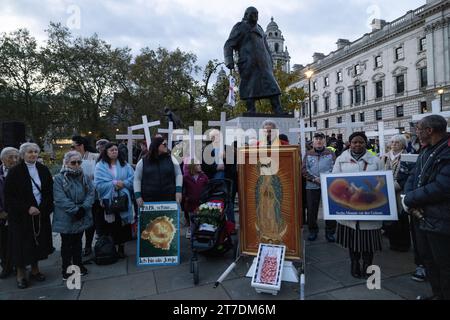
(119, 203)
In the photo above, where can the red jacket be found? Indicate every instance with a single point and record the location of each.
(192, 191)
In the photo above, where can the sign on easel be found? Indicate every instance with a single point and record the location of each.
(269, 268)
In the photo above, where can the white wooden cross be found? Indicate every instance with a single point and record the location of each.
(192, 137)
(302, 135)
(223, 129)
(435, 109)
(146, 126)
(380, 134)
(130, 137)
(170, 133)
(348, 126)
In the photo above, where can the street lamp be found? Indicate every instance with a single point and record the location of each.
(441, 92)
(309, 74)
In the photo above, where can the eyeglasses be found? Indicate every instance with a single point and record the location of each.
(78, 162)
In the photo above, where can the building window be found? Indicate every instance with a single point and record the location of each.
(339, 76)
(400, 80)
(315, 85)
(351, 96)
(326, 81)
(326, 124)
(423, 107)
(357, 69)
(378, 115)
(339, 120)
(277, 47)
(315, 107)
(423, 77)
(357, 94)
(399, 111)
(423, 44)
(353, 118)
(339, 100)
(379, 89)
(399, 53)
(304, 110)
(378, 63)
(362, 118)
(363, 93)
(327, 104)
(315, 124)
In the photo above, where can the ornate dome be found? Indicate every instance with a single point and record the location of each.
(272, 26)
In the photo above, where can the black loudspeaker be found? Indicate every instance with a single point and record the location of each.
(13, 134)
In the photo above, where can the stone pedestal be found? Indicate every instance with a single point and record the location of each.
(254, 121)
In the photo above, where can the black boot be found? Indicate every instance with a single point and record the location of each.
(367, 262)
(121, 251)
(355, 268)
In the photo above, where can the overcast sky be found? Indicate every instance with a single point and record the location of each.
(202, 26)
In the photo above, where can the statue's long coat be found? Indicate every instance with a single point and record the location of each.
(255, 61)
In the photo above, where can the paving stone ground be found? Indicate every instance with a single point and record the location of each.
(327, 274)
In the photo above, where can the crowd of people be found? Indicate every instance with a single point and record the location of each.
(98, 192)
(422, 196)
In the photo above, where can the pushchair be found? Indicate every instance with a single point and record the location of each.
(212, 241)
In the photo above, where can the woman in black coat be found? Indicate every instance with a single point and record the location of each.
(29, 203)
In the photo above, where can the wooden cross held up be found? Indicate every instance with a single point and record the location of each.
(146, 126)
(381, 133)
(302, 131)
(130, 137)
(348, 126)
(436, 110)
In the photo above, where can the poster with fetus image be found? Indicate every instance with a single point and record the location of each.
(365, 196)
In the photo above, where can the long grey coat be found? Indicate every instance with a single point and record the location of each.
(255, 62)
(70, 195)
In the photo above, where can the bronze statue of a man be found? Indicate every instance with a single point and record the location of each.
(255, 63)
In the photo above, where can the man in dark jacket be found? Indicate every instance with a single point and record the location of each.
(427, 196)
(255, 62)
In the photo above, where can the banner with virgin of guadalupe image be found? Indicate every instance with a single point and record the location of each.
(158, 241)
(270, 203)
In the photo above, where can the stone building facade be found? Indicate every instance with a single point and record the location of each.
(387, 75)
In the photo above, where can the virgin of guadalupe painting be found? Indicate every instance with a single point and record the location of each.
(270, 199)
(270, 225)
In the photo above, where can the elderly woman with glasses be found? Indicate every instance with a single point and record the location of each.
(73, 192)
(29, 203)
(9, 157)
(398, 231)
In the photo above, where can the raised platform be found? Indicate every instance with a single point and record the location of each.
(255, 121)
